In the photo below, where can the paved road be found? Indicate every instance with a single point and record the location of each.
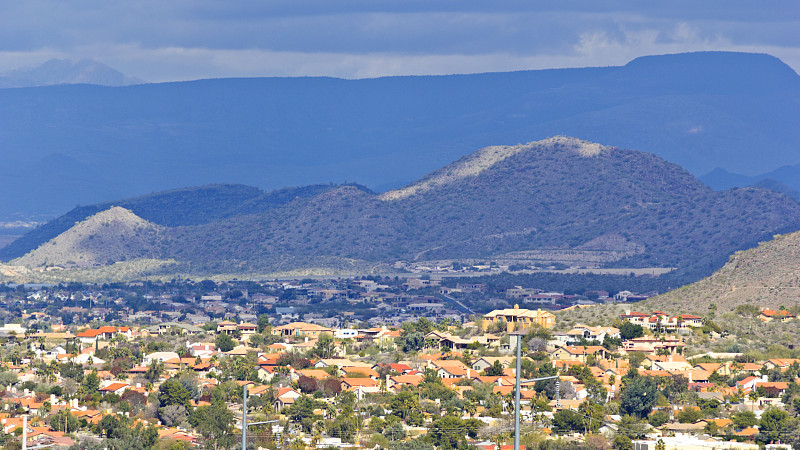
(468, 309)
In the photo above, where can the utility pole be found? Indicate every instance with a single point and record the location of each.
(518, 388)
(516, 393)
(25, 432)
(244, 417)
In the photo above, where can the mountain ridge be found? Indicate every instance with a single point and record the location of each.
(542, 202)
(274, 132)
(62, 71)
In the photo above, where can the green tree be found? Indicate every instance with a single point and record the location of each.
(325, 346)
(263, 322)
(111, 426)
(593, 415)
(154, 370)
(744, 419)
(630, 331)
(639, 396)
(134, 438)
(224, 343)
(91, 383)
(451, 431)
(689, 415)
(495, 370)
(172, 392)
(632, 427)
(622, 442)
(343, 426)
(774, 426)
(64, 421)
(567, 420)
(658, 418)
(403, 404)
(214, 422)
(302, 412)
(394, 431)
(410, 445)
(413, 342)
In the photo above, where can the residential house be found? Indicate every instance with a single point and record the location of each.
(588, 333)
(285, 397)
(301, 329)
(769, 315)
(485, 362)
(579, 353)
(519, 319)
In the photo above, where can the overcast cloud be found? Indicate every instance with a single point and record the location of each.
(189, 39)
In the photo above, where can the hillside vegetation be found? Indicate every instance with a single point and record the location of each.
(767, 276)
(177, 207)
(109, 236)
(557, 200)
(764, 277)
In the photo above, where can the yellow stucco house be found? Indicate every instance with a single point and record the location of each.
(519, 319)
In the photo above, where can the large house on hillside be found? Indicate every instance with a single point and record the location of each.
(769, 315)
(519, 319)
(588, 333)
(659, 320)
(301, 329)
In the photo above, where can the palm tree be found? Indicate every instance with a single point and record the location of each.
(46, 408)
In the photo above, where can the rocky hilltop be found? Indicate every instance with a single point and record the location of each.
(109, 236)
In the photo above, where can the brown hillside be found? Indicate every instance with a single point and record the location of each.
(765, 276)
(115, 234)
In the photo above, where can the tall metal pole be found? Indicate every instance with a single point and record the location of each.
(24, 432)
(516, 395)
(244, 417)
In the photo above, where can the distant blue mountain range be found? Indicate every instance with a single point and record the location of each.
(784, 179)
(81, 144)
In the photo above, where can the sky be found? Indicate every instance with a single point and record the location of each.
(158, 40)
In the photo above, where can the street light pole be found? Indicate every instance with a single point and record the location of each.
(518, 389)
(516, 394)
(244, 417)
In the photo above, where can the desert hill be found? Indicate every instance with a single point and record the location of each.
(83, 144)
(631, 208)
(115, 234)
(176, 207)
(767, 276)
(556, 200)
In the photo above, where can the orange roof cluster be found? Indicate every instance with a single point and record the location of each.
(92, 333)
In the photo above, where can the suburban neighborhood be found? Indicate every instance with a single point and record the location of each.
(373, 364)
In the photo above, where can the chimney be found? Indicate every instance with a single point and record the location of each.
(469, 373)
(764, 378)
(52, 399)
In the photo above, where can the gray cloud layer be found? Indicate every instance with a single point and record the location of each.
(182, 39)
